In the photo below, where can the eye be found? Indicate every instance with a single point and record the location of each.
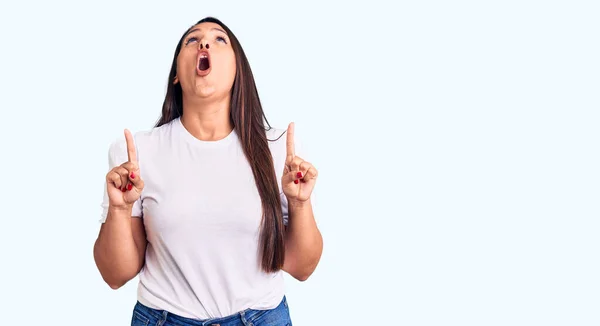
(191, 39)
(222, 39)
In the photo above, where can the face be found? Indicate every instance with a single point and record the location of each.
(206, 62)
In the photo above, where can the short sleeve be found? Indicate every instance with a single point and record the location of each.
(284, 209)
(117, 155)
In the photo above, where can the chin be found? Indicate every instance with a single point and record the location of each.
(205, 91)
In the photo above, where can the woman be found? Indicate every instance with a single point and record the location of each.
(209, 206)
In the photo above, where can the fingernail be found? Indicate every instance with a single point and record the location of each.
(132, 175)
(123, 189)
(296, 181)
(129, 186)
(299, 175)
(303, 180)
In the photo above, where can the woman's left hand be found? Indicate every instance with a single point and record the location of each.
(299, 176)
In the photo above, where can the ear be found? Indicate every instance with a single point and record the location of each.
(175, 80)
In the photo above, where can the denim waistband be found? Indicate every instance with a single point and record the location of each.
(246, 316)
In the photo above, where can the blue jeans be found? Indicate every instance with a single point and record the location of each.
(278, 316)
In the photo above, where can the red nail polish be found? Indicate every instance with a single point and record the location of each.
(296, 181)
(123, 189)
(304, 181)
(132, 175)
(299, 175)
(129, 186)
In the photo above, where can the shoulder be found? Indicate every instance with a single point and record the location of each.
(143, 139)
(277, 138)
(155, 134)
(276, 135)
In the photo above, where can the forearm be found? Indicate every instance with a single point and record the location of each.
(304, 243)
(115, 250)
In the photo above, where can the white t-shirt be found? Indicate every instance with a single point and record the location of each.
(202, 212)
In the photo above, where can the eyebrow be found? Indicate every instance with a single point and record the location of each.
(212, 29)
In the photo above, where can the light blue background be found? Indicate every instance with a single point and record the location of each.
(457, 145)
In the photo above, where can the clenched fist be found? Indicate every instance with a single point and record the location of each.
(123, 182)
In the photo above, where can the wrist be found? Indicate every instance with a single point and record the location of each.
(120, 209)
(298, 204)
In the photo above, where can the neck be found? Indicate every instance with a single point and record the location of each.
(208, 121)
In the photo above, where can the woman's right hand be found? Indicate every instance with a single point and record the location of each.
(123, 182)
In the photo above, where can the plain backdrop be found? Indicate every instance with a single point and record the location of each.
(457, 144)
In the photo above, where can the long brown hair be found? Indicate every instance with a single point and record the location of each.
(248, 120)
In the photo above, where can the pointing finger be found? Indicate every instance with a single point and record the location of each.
(290, 143)
(131, 153)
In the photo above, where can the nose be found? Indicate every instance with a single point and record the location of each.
(206, 45)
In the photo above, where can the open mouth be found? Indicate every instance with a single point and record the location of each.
(203, 67)
(203, 63)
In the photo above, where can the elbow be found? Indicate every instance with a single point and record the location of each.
(115, 277)
(115, 283)
(301, 263)
(301, 270)
(302, 274)
(302, 277)
(115, 286)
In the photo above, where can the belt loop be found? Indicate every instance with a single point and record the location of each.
(243, 316)
(164, 318)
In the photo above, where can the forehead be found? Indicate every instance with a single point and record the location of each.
(206, 27)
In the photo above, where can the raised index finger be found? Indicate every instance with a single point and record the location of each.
(131, 153)
(291, 153)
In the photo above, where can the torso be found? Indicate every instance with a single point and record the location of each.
(202, 214)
